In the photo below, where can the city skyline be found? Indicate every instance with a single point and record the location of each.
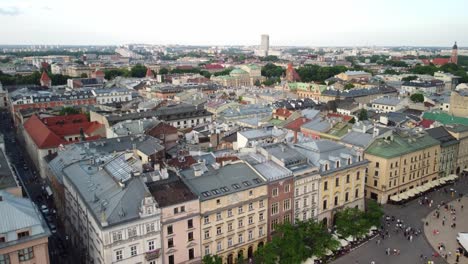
(52, 22)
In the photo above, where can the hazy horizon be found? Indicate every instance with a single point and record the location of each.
(296, 23)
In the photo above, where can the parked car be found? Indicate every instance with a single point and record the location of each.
(44, 209)
(53, 228)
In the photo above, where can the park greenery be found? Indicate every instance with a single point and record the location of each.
(270, 58)
(409, 78)
(450, 68)
(32, 79)
(315, 73)
(362, 115)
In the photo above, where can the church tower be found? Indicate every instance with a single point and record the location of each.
(454, 57)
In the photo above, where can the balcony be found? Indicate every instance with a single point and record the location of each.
(152, 254)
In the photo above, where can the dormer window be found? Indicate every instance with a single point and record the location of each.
(326, 167)
(337, 163)
(149, 210)
(349, 161)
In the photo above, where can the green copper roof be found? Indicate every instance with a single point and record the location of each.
(237, 71)
(445, 118)
(400, 145)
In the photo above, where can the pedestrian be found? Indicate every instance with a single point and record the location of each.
(411, 238)
(443, 222)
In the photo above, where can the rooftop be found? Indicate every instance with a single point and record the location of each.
(402, 143)
(171, 191)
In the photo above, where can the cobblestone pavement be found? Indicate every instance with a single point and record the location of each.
(413, 215)
(446, 234)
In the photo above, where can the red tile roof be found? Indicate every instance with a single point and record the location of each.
(283, 112)
(441, 61)
(426, 123)
(50, 131)
(214, 67)
(45, 77)
(182, 162)
(345, 118)
(149, 73)
(296, 124)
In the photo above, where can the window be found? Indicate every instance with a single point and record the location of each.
(296, 205)
(149, 227)
(305, 189)
(218, 201)
(132, 232)
(375, 183)
(240, 222)
(250, 234)
(260, 217)
(304, 216)
(190, 223)
(118, 255)
(133, 251)
(376, 174)
(218, 231)
(5, 259)
(230, 213)
(391, 165)
(117, 236)
(190, 236)
(336, 200)
(170, 230)
(250, 193)
(260, 204)
(325, 186)
(151, 245)
(376, 164)
(206, 219)
(346, 196)
(260, 231)
(170, 242)
(241, 238)
(274, 192)
(182, 208)
(324, 205)
(171, 259)
(250, 220)
(326, 167)
(23, 234)
(286, 218)
(287, 188)
(219, 246)
(207, 234)
(274, 223)
(347, 178)
(337, 163)
(337, 182)
(286, 204)
(305, 202)
(251, 206)
(240, 210)
(358, 174)
(274, 208)
(218, 216)
(176, 210)
(207, 250)
(230, 242)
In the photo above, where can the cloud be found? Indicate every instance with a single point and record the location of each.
(47, 8)
(9, 11)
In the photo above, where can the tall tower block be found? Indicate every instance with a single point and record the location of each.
(454, 57)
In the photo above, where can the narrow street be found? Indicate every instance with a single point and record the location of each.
(33, 186)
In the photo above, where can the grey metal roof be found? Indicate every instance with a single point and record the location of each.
(442, 135)
(19, 213)
(358, 139)
(226, 180)
(387, 100)
(318, 125)
(107, 199)
(7, 178)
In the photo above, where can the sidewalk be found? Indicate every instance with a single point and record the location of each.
(447, 235)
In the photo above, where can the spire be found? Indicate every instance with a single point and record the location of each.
(45, 80)
(455, 46)
(149, 73)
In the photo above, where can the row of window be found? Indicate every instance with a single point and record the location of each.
(305, 189)
(24, 254)
(275, 206)
(240, 210)
(337, 180)
(132, 232)
(230, 228)
(231, 240)
(336, 199)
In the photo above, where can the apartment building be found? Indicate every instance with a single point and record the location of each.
(460, 132)
(402, 161)
(342, 171)
(233, 208)
(448, 150)
(180, 221)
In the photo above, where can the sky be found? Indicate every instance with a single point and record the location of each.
(238, 22)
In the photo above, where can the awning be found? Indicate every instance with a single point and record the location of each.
(48, 190)
(404, 196)
(452, 177)
(411, 192)
(463, 240)
(442, 180)
(329, 252)
(425, 187)
(350, 238)
(465, 170)
(395, 198)
(420, 189)
(373, 228)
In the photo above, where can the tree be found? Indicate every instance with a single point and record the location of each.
(257, 83)
(67, 110)
(271, 70)
(373, 213)
(84, 75)
(318, 238)
(163, 71)
(348, 86)
(352, 222)
(270, 58)
(240, 98)
(111, 74)
(409, 78)
(212, 259)
(352, 121)
(224, 72)
(205, 74)
(138, 71)
(417, 98)
(391, 72)
(362, 115)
